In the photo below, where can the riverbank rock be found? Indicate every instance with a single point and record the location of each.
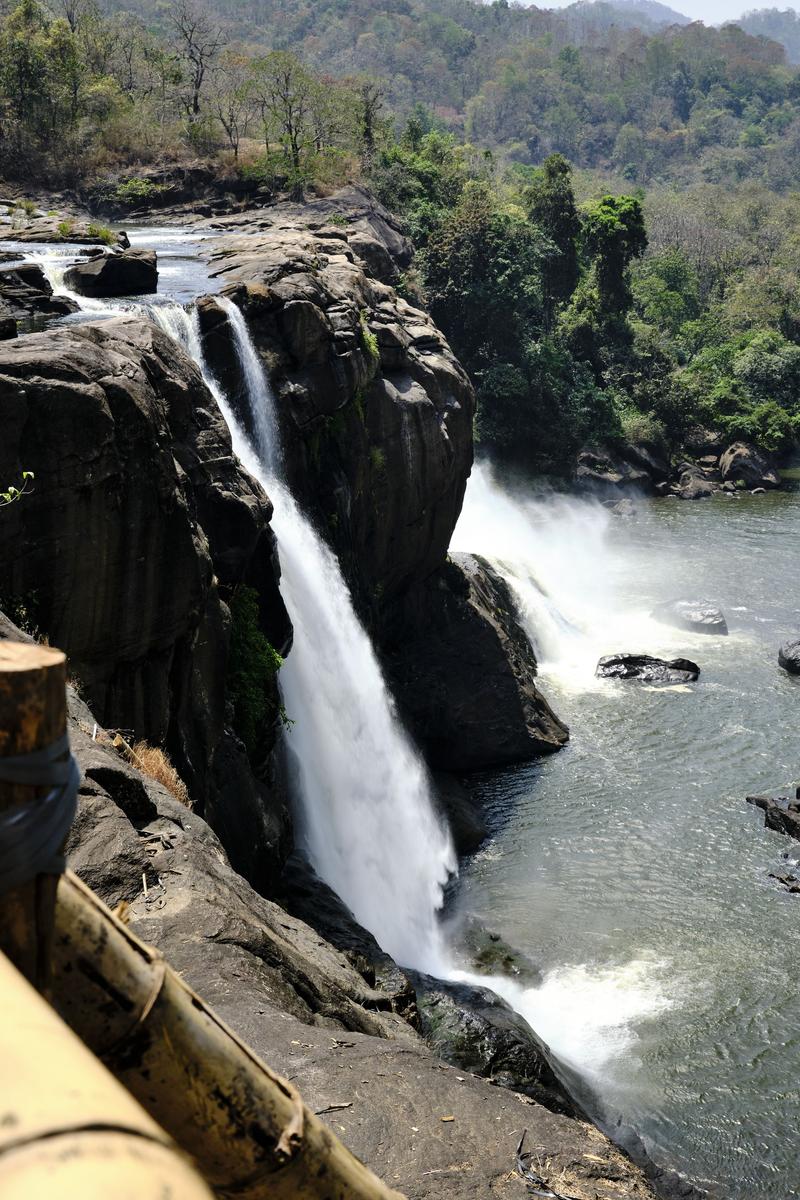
(464, 672)
(745, 462)
(781, 811)
(695, 482)
(56, 228)
(789, 657)
(647, 669)
(139, 522)
(126, 273)
(697, 616)
(637, 467)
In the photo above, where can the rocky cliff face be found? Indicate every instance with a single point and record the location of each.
(376, 414)
(140, 522)
(376, 421)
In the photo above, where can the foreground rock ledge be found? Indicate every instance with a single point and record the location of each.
(304, 1008)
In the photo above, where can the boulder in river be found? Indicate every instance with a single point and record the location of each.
(781, 811)
(647, 669)
(698, 616)
(789, 657)
(744, 461)
(128, 273)
(24, 290)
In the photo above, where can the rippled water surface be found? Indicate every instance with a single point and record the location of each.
(628, 865)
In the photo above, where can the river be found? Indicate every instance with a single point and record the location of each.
(628, 866)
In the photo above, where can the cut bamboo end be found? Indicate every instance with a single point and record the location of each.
(67, 1128)
(33, 715)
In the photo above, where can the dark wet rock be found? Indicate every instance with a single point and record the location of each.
(25, 290)
(789, 657)
(489, 954)
(781, 811)
(376, 424)
(789, 881)
(127, 273)
(647, 669)
(743, 461)
(462, 812)
(703, 443)
(139, 518)
(698, 616)
(464, 673)
(8, 324)
(474, 1029)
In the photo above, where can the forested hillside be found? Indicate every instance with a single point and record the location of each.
(689, 102)
(605, 220)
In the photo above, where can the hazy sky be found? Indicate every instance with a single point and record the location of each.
(713, 12)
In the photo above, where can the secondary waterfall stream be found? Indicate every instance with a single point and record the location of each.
(627, 866)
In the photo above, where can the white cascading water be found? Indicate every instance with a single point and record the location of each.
(554, 553)
(367, 817)
(365, 807)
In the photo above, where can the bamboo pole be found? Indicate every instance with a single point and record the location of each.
(33, 714)
(247, 1128)
(67, 1128)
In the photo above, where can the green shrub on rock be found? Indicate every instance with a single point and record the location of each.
(252, 666)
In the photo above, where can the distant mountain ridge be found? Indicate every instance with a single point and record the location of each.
(781, 25)
(635, 14)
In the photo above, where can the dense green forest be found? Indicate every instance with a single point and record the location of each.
(605, 218)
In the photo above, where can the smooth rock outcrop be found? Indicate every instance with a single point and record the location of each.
(25, 291)
(789, 657)
(125, 273)
(697, 616)
(647, 669)
(745, 462)
(464, 672)
(139, 522)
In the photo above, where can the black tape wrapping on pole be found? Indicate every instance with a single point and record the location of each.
(32, 835)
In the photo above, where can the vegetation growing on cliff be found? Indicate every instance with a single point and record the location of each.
(252, 666)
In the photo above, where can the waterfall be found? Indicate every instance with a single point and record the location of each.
(366, 815)
(568, 574)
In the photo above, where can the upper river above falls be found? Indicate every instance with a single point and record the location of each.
(628, 866)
